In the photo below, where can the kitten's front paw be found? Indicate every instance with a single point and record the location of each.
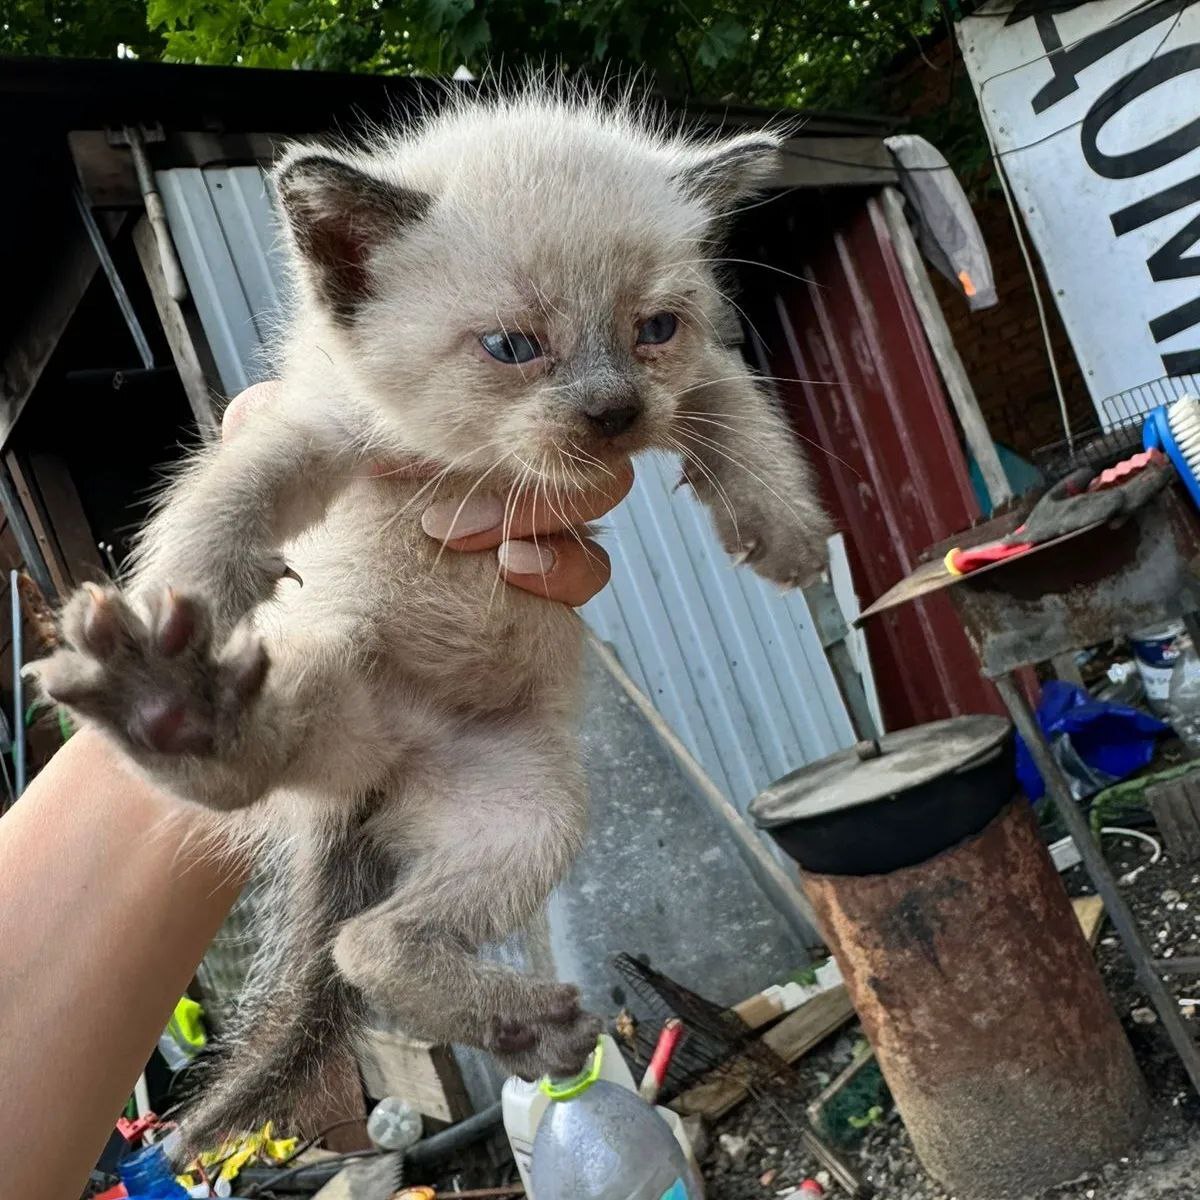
(554, 1037)
(152, 677)
(788, 548)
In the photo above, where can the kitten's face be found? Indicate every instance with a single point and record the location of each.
(524, 288)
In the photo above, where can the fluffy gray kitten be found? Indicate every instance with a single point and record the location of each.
(512, 291)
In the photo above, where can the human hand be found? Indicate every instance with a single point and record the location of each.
(536, 548)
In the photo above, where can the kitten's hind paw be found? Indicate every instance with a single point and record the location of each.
(152, 677)
(555, 1040)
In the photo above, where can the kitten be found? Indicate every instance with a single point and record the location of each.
(515, 291)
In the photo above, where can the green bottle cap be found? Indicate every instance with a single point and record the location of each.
(568, 1089)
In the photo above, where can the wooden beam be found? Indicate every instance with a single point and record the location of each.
(835, 162)
(38, 522)
(197, 371)
(67, 520)
(70, 268)
(958, 385)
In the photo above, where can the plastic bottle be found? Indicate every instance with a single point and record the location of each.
(598, 1141)
(1183, 705)
(524, 1103)
(147, 1175)
(394, 1124)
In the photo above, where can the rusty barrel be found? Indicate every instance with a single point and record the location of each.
(964, 960)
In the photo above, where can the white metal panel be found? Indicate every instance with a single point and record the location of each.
(1093, 113)
(225, 233)
(735, 667)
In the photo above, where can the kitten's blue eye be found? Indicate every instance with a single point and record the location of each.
(511, 347)
(657, 329)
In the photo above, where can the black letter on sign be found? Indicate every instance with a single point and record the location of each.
(1171, 260)
(1137, 83)
(1068, 62)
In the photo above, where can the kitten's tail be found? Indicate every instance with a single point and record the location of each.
(298, 1017)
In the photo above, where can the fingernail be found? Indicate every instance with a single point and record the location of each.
(525, 558)
(459, 519)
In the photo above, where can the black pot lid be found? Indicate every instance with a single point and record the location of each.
(874, 771)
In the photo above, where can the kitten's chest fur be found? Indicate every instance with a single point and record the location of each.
(435, 618)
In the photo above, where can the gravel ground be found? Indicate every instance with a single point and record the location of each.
(755, 1152)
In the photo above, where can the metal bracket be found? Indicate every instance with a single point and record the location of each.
(833, 633)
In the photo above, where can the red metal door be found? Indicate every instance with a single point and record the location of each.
(835, 325)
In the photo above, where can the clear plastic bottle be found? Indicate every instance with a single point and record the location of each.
(394, 1124)
(598, 1141)
(1183, 704)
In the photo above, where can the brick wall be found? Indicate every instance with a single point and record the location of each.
(1002, 347)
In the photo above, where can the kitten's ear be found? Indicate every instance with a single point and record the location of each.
(722, 173)
(338, 216)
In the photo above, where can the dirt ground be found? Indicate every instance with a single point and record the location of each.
(755, 1152)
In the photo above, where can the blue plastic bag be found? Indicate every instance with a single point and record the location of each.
(1112, 739)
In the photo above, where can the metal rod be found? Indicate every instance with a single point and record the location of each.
(1101, 875)
(156, 213)
(114, 281)
(1183, 965)
(18, 740)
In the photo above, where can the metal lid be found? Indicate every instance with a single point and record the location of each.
(874, 771)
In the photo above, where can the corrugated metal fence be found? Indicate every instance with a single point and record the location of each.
(736, 668)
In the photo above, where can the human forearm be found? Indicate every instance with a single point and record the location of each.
(111, 893)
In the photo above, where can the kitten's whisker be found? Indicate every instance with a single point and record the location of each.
(718, 449)
(689, 417)
(717, 486)
(462, 504)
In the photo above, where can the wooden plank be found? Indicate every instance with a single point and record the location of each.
(1175, 804)
(839, 1084)
(42, 531)
(835, 162)
(64, 510)
(197, 372)
(958, 384)
(791, 1039)
(70, 268)
(1089, 912)
(425, 1075)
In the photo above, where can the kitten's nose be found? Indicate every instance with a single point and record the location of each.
(611, 419)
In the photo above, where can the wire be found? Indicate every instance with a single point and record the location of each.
(999, 154)
(257, 1189)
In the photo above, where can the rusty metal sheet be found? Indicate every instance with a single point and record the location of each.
(1085, 588)
(851, 363)
(987, 1013)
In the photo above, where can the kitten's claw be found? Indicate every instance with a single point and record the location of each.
(291, 573)
(152, 678)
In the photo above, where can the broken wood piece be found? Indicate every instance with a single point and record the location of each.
(773, 1002)
(1089, 912)
(1175, 804)
(723, 1089)
(427, 1076)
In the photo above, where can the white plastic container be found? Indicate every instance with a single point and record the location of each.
(1156, 651)
(525, 1103)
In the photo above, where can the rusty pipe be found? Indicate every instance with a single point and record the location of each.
(988, 1016)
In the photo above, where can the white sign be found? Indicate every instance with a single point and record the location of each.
(1095, 113)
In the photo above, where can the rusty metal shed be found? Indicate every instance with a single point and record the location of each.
(104, 375)
(821, 283)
